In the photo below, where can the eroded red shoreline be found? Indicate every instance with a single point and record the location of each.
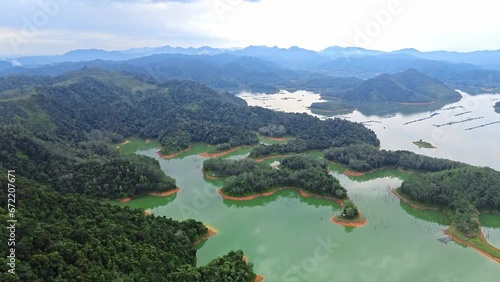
(415, 206)
(162, 194)
(172, 155)
(211, 177)
(220, 154)
(166, 193)
(455, 238)
(211, 232)
(259, 160)
(351, 224)
(272, 192)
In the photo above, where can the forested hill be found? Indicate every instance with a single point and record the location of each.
(409, 86)
(72, 238)
(59, 130)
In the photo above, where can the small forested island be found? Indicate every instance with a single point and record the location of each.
(246, 179)
(423, 144)
(332, 107)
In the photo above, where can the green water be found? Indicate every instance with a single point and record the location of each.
(290, 238)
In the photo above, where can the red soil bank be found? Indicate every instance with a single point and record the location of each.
(163, 194)
(415, 206)
(266, 194)
(172, 155)
(216, 155)
(211, 232)
(209, 176)
(456, 239)
(259, 278)
(166, 193)
(351, 224)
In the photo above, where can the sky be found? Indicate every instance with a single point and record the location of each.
(49, 27)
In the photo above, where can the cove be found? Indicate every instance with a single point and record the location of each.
(291, 238)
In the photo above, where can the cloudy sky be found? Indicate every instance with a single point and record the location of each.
(43, 27)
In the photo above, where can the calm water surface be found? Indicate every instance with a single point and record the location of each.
(290, 238)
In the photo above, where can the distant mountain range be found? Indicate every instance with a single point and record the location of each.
(266, 69)
(285, 57)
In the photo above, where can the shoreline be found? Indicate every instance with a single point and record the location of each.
(166, 193)
(417, 103)
(208, 176)
(272, 192)
(259, 278)
(452, 236)
(172, 155)
(413, 205)
(364, 222)
(156, 194)
(220, 154)
(348, 172)
(212, 231)
(259, 160)
(481, 235)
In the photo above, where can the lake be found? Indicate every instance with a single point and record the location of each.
(479, 147)
(290, 238)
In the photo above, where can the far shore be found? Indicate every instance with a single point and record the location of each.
(416, 104)
(157, 194)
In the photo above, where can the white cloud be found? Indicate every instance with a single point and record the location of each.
(312, 24)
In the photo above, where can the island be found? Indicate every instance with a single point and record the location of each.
(248, 179)
(423, 144)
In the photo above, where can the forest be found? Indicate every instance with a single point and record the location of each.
(74, 238)
(58, 132)
(464, 191)
(319, 136)
(248, 177)
(365, 158)
(62, 126)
